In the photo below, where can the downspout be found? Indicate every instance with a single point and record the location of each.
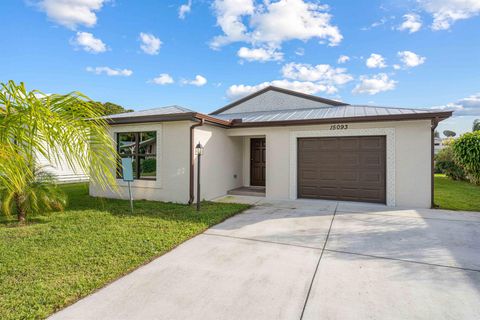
(433, 127)
(192, 159)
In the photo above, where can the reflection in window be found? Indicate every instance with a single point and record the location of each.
(142, 148)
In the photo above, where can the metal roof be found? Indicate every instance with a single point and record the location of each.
(334, 112)
(327, 111)
(151, 112)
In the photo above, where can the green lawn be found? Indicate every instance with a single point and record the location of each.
(456, 195)
(60, 257)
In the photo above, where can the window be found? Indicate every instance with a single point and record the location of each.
(142, 148)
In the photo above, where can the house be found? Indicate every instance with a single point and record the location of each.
(62, 171)
(281, 144)
(442, 143)
(438, 144)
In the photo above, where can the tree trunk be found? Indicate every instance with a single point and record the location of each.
(21, 214)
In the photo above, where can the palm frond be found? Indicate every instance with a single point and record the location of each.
(61, 128)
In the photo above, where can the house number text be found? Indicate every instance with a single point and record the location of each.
(339, 127)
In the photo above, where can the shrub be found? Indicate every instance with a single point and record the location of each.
(466, 152)
(445, 163)
(149, 165)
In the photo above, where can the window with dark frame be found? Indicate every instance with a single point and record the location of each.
(142, 148)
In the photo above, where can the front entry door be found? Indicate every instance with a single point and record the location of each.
(257, 162)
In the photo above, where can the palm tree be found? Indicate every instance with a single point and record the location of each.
(476, 125)
(67, 127)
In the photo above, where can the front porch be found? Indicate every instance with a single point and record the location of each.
(252, 179)
(254, 191)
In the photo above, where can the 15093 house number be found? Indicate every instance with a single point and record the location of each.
(339, 127)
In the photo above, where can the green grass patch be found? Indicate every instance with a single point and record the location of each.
(456, 195)
(60, 257)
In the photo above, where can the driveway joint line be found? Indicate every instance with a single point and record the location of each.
(260, 240)
(400, 216)
(323, 210)
(318, 263)
(401, 260)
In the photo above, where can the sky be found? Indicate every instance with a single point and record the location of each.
(204, 54)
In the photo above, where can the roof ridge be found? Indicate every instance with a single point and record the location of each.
(164, 107)
(392, 107)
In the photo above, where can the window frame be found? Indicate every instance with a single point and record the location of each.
(135, 156)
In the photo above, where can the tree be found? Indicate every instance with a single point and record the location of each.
(449, 133)
(436, 134)
(466, 152)
(109, 108)
(476, 125)
(53, 126)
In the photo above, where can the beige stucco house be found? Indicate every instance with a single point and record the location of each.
(280, 144)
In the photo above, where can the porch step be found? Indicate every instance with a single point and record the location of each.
(248, 191)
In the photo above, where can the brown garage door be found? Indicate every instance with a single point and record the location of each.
(342, 168)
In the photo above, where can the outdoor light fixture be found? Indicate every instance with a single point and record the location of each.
(199, 149)
(199, 153)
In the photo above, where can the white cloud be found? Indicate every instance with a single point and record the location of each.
(184, 9)
(469, 106)
(89, 43)
(306, 78)
(412, 23)
(411, 59)
(380, 23)
(240, 90)
(70, 13)
(294, 19)
(376, 61)
(272, 23)
(300, 51)
(110, 72)
(259, 54)
(374, 84)
(397, 67)
(150, 43)
(229, 15)
(447, 12)
(323, 73)
(343, 59)
(198, 81)
(162, 79)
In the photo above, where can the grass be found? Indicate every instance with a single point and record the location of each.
(456, 195)
(63, 256)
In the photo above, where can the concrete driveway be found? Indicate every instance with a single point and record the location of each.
(308, 260)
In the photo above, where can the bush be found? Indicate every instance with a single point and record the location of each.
(466, 152)
(445, 163)
(149, 165)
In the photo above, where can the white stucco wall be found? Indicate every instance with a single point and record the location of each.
(222, 162)
(226, 161)
(172, 181)
(411, 179)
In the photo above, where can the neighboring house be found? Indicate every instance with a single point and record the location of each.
(282, 145)
(441, 143)
(438, 144)
(63, 172)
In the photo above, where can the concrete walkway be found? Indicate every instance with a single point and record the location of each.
(308, 260)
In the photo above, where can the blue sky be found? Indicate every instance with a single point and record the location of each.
(144, 54)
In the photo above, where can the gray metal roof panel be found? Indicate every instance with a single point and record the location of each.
(151, 112)
(347, 111)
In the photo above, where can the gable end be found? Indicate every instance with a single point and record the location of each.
(317, 101)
